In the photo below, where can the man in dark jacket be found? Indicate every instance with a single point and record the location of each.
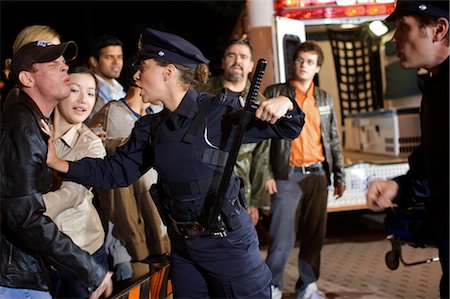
(302, 170)
(30, 241)
(422, 40)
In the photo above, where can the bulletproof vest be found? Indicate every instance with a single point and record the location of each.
(216, 157)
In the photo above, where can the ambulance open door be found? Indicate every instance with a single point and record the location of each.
(289, 33)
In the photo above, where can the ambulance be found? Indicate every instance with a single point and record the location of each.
(376, 100)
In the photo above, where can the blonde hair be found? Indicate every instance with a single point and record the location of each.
(31, 34)
(34, 33)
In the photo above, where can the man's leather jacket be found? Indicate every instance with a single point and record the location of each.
(30, 241)
(280, 148)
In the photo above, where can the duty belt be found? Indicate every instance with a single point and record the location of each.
(306, 169)
(192, 229)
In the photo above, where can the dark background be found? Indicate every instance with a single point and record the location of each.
(207, 24)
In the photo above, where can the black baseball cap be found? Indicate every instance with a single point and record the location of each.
(435, 9)
(171, 48)
(40, 52)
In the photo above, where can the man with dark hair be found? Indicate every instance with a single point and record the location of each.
(252, 164)
(422, 40)
(106, 61)
(302, 170)
(30, 241)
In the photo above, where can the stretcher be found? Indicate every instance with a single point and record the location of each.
(407, 227)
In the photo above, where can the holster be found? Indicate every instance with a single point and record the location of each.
(231, 210)
(160, 205)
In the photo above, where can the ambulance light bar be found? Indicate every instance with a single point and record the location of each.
(322, 9)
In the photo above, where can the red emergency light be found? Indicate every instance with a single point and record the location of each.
(321, 9)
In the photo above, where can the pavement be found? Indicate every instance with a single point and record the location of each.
(353, 263)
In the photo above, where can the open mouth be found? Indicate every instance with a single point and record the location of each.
(79, 110)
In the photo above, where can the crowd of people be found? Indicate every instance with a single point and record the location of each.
(115, 164)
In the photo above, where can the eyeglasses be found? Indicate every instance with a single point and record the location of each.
(309, 62)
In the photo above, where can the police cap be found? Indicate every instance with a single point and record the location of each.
(40, 52)
(171, 48)
(435, 9)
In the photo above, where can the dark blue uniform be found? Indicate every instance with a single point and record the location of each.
(207, 266)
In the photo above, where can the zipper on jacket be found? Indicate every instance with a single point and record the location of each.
(10, 255)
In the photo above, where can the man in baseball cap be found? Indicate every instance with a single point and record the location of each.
(40, 69)
(422, 41)
(40, 52)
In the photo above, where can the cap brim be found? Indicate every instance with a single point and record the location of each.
(145, 55)
(68, 50)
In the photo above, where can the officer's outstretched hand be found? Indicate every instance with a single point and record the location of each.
(272, 109)
(52, 159)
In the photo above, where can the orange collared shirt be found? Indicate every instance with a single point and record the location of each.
(307, 148)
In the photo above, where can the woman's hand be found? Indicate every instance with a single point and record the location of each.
(52, 159)
(272, 109)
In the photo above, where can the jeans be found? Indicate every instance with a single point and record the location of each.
(298, 210)
(13, 293)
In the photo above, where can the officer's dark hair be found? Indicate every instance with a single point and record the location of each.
(191, 77)
(238, 42)
(309, 46)
(101, 42)
(82, 69)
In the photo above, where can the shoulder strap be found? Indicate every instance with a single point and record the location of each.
(198, 120)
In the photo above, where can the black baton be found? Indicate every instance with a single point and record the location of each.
(215, 219)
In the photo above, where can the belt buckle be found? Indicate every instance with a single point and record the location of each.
(304, 169)
(188, 229)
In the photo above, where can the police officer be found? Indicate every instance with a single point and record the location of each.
(187, 143)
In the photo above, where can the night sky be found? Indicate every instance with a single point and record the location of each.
(207, 24)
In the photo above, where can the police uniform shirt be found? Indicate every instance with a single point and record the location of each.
(175, 160)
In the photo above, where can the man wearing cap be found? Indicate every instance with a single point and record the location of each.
(213, 255)
(30, 241)
(422, 40)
